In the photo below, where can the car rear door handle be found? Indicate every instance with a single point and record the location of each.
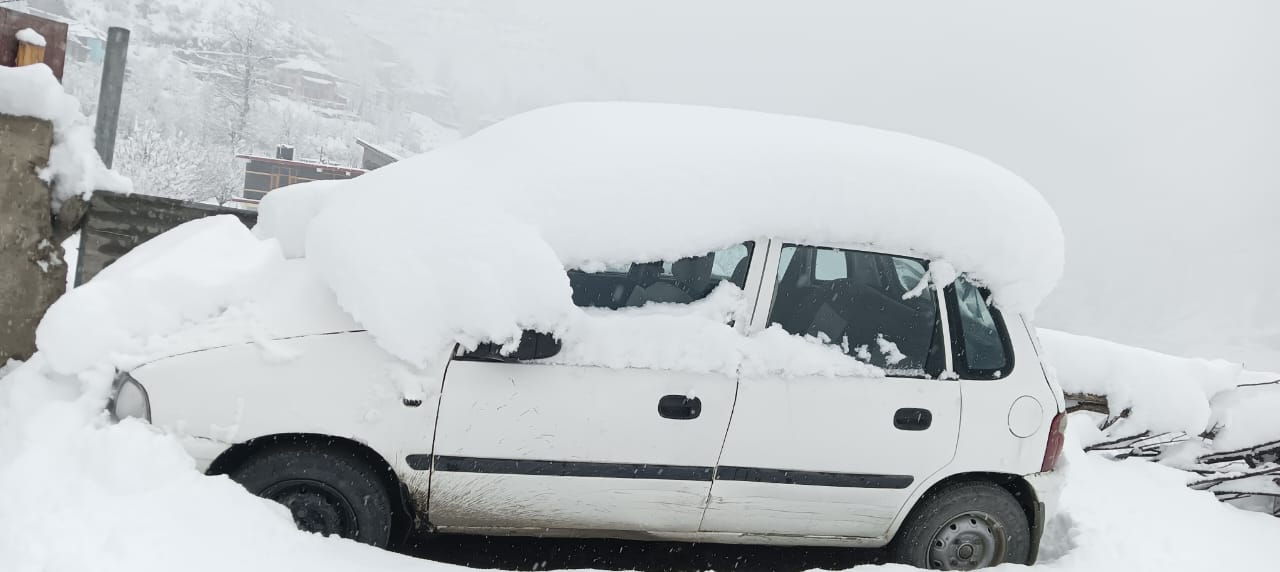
(679, 407)
(912, 419)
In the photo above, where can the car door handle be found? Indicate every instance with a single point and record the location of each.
(912, 419)
(679, 407)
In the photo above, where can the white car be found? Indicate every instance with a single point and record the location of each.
(949, 455)
(782, 390)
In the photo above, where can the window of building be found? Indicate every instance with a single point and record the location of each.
(673, 282)
(257, 181)
(855, 300)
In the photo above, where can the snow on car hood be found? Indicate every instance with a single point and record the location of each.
(469, 242)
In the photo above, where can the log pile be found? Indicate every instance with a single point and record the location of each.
(1248, 477)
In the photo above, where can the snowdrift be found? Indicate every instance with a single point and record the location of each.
(1210, 417)
(1162, 393)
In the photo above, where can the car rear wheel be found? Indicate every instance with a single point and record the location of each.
(328, 491)
(964, 526)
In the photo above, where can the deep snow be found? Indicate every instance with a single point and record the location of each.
(589, 184)
(1164, 393)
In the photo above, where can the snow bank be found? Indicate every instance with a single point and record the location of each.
(1164, 393)
(1246, 416)
(30, 36)
(469, 242)
(74, 166)
(1135, 516)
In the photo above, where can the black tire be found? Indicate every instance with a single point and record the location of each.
(328, 490)
(979, 515)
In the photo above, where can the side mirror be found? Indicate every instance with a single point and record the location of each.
(535, 345)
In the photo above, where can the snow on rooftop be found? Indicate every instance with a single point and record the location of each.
(30, 36)
(307, 65)
(380, 149)
(82, 30)
(594, 183)
(74, 166)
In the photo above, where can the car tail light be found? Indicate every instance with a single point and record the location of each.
(1053, 449)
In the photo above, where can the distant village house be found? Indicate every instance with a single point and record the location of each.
(265, 174)
(305, 79)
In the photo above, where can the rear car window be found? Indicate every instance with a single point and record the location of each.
(669, 282)
(981, 343)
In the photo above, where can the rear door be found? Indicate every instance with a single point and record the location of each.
(565, 444)
(839, 455)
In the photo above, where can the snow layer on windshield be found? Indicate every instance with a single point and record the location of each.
(74, 166)
(469, 242)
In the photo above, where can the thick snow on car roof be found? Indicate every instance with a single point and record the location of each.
(485, 226)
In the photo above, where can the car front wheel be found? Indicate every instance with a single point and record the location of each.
(328, 491)
(964, 526)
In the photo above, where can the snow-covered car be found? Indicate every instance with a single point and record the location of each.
(725, 365)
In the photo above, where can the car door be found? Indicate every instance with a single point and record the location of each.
(839, 455)
(552, 446)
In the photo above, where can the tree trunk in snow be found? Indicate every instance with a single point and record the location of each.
(32, 271)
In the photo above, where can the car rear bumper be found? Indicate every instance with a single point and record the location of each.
(1048, 489)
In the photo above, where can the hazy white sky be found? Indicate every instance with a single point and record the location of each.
(1153, 127)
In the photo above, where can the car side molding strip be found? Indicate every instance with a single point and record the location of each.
(814, 478)
(572, 469)
(533, 467)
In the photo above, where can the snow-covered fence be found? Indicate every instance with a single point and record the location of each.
(1209, 417)
(117, 223)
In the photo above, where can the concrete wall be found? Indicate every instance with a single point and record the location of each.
(32, 273)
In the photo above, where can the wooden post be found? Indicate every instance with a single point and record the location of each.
(29, 54)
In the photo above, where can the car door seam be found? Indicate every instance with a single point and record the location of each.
(715, 469)
(435, 431)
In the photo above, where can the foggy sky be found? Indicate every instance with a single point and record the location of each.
(1151, 126)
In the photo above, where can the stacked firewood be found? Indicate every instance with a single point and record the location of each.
(1248, 477)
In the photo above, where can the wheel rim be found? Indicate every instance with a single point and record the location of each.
(316, 506)
(967, 542)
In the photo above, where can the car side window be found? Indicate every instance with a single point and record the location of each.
(981, 343)
(858, 301)
(673, 282)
